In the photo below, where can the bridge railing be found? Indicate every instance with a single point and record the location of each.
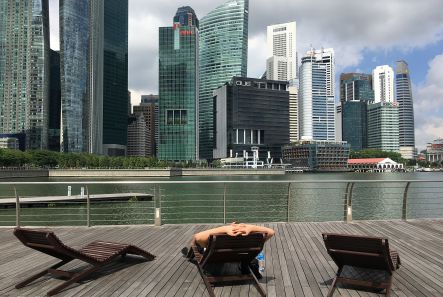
(178, 202)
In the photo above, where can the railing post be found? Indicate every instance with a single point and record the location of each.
(88, 208)
(348, 205)
(287, 203)
(405, 202)
(17, 208)
(224, 203)
(157, 205)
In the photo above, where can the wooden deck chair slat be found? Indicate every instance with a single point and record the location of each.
(366, 254)
(98, 254)
(228, 249)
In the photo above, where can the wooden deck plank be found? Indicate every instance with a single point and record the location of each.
(296, 261)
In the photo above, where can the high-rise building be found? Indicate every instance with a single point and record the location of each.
(356, 87)
(282, 52)
(249, 113)
(54, 102)
(115, 76)
(317, 96)
(74, 75)
(148, 111)
(153, 101)
(293, 113)
(405, 110)
(383, 84)
(24, 70)
(178, 90)
(383, 126)
(354, 124)
(93, 54)
(355, 94)
(223, 54)
(137, 136)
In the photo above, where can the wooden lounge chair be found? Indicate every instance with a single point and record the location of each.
(362, 261)
(224, 249)
(97, 253)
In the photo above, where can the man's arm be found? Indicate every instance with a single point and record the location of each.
(202, 238)
(253, 228)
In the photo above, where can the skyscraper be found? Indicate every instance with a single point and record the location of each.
(282, 65)
(93, 53)
(178, 89)
(405, 110)
(54, 103)
(74, 75)
(355, 94)
(293, 113)
(24, 70)
(251, 112)
(354, 124)
(115, 76)
(137, 136)
(282, 52)
(383, 126)
(148, 109)
(223, 54)
(152, 100)
(383, 84)
(317, 95)
(356, 87)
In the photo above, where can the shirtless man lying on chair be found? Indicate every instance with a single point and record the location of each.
(234, 229)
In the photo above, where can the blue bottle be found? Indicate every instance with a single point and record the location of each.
(261, 262)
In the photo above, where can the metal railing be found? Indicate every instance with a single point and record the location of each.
(225, 201)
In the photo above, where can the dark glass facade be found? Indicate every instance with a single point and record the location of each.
(54, 103)
(186, 16)
(178, 93)
(251, 112)
(405, 105)
(115, 74)
(356, 86)
(74, 74)
(354, 124)
(355, 95)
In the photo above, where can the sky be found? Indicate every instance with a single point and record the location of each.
(364, 34)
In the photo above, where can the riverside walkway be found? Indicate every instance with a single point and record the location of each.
(296, 261)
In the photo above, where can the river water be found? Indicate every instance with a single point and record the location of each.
(311, 197)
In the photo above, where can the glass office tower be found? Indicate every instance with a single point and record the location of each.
(383, 126)
(178, 92)
(74, 75)
(24, 70)
(94, 76)
(355, 93)
(115, 77)
(223, 55)
(317, 95)
(405, 110)
(356, 86)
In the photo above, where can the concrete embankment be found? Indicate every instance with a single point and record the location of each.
(110, 173)
(16, 173)
(228, 172)
(161, 172)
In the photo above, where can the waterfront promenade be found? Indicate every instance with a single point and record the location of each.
(296, 261)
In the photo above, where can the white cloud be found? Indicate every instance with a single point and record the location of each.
(428, 105)
(349, 26)
(257, 55)
(54, 25)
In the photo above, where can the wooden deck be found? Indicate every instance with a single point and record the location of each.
(296, 261)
